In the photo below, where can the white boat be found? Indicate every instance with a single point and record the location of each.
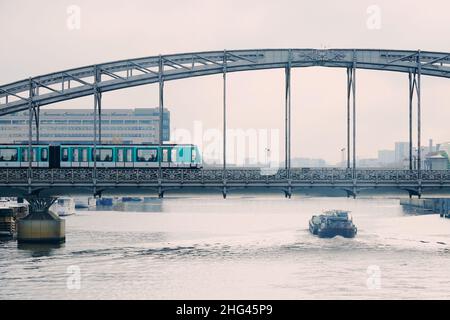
(84, 202)
(64, 206)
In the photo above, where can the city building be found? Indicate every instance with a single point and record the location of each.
(437, 161)
(401, 152)
(445, 146)
(139, 125)
(368, 163)
(386, 157)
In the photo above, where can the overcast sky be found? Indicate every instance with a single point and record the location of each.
(36, 40)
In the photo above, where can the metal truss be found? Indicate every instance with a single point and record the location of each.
(95, 80)
(52, 182)
(84, 81)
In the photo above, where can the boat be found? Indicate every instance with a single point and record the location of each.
(64, 206)
(333, 223)
(314, 224)
(10, 212)
(81, 203)
(106, 202)
(85, 202)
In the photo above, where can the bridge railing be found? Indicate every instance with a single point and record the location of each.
(247, 175)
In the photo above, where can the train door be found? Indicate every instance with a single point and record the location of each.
(75, 157)
(43, 155)
(194, 159)
(165, 161)
(129, 157)
(184, 156)
(180, 157)
(124, 157)
(24, 155)
(121, 157)
(84, 156)
(65, 157)
(173, 157)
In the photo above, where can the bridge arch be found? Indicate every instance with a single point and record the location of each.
(78, 82)
(39, 91)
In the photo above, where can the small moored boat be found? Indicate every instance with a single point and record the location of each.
(64, 206)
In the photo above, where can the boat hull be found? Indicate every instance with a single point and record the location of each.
(333, 232)
(313, 228)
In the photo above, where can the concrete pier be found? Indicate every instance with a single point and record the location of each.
(432, 205)
(41, 225)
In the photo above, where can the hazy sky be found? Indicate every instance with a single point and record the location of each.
(36, 40)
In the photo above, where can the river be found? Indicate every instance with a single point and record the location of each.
(244, 247)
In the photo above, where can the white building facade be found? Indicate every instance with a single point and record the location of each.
(124, 126)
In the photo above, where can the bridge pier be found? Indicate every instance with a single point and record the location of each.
(41, 225)
(351, 193)
(288, 192)
(417, 193)
(444, 208)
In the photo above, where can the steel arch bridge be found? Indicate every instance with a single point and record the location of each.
(79, 82)
(35, 92)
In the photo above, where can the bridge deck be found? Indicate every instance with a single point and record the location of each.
(43, 179)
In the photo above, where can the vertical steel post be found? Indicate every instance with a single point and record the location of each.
(286, 124)
(98, 78)
(288, 115)
(161, 112)
(349, 88)
(224, 115)
(30, 130)
(354, 113)
(94, 155)
(418, 86)
(36, 112)
(99, 103)
(412, 81)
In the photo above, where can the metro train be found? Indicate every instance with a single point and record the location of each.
(107, 156)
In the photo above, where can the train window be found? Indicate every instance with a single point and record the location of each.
(129, 155)
(147, 155)
(64, 154)
(173, 155)
(165, 155)
(75, 155)
(84, 155)
(194, 154)
(44, 155)
(120, 157)
(8, 154)
(105, 155)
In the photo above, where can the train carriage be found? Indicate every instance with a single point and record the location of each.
(107, 156)
(17, 156)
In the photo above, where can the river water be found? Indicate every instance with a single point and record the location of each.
(244, 247)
